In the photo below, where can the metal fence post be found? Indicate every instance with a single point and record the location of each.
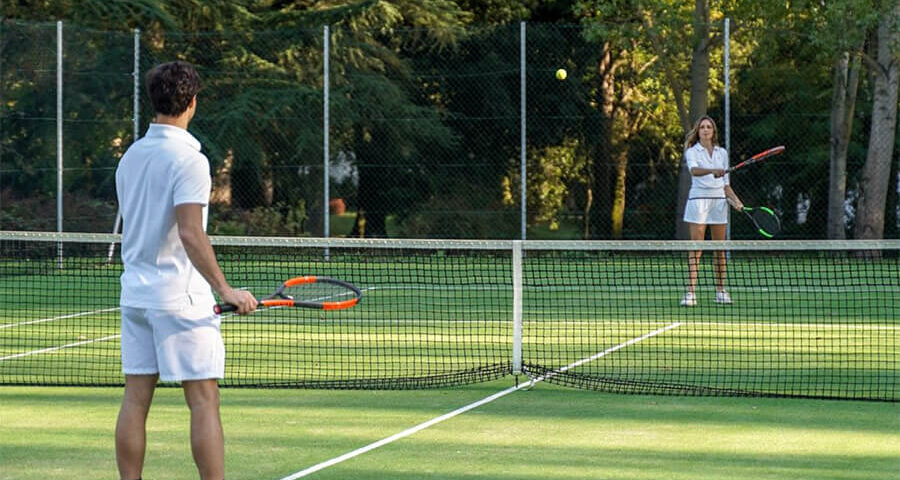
(2, 115)
(325, 137)
(326, 79)
(136, 73)
(136, 121)
(59, 136)
(728, 110)
(523, 135)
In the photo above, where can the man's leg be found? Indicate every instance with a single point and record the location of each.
(131, 433)
(207, 439)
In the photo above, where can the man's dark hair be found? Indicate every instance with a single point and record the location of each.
(171, 87)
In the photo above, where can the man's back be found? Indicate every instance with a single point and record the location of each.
(158, 172)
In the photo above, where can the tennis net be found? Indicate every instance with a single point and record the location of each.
(810, 319)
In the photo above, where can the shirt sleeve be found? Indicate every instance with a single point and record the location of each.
(690, 157)
(192, 182)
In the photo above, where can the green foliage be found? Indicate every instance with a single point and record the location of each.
(445, 218)
(279, 219)
(425, 106)
(554, 173)
(82, 213)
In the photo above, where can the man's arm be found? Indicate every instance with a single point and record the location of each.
(189, 217)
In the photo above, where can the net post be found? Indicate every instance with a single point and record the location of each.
(111, 251)
(517, 306)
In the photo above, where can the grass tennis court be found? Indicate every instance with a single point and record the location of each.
(810, 324)
(543, 433)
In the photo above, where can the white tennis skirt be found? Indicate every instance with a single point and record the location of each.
(706, 211)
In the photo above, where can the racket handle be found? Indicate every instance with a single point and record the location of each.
(224, 307)
(227, 307)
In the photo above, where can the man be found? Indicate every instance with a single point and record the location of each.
(169, 331)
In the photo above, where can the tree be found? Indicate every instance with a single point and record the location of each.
(843, 105)
(876, 175)
(840, 29)
(656, 31)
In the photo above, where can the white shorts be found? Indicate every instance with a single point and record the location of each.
(177, 344)
(706, 211)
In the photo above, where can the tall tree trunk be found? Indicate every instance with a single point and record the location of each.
(617, 216)
(843, 104)
(876, 176)
(588, 202)
(698, 101)
(601, 191)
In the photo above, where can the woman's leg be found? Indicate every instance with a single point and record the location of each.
(717, 232)
(698, 233)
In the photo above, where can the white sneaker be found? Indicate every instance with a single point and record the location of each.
(689, 300)
(723, 297)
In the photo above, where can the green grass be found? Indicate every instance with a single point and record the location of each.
(812, 326)
(547, 432)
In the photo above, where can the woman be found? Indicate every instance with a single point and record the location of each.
(706, 204)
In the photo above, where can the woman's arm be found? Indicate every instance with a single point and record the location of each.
(732, 198)
(699, 172)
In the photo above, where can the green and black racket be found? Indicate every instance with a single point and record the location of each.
(764, 219)
(308, 292)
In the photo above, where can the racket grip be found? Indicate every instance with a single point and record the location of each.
(224, 307)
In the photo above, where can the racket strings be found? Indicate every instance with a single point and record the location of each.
(318, 293)
(766, 221)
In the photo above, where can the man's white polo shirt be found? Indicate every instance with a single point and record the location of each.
(158, 172)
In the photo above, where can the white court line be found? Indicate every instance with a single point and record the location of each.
(483, 401)
(53, 349)
(62, 317)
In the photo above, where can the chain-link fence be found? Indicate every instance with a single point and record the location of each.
(429, 132)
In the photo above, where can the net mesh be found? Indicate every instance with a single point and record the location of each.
(806, 323)
(809, 319)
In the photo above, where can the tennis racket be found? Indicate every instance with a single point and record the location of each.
(764, 219)
(758, 158)
(307, 292)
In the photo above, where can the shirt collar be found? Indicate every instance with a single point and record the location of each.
(699, 146)
(161, 130)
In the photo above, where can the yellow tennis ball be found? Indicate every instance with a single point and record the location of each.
(561, 74)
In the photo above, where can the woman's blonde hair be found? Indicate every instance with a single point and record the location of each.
(694, 135)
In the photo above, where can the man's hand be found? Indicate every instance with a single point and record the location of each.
(242, 299)
(719, 172)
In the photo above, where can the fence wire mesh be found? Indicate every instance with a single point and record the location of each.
(425, 131)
